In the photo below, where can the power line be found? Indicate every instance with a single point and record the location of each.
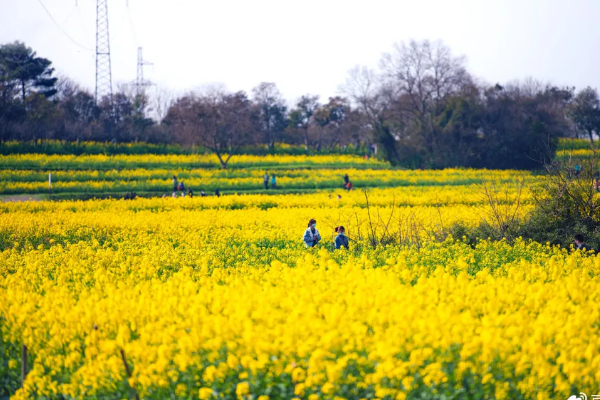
(132, 26)
(61, 29)
(83, 29)
(120, 25)
(69, 15)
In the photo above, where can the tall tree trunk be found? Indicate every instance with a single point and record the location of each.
(388, 143)
(306, 138)
(221, 161)
(225, 161)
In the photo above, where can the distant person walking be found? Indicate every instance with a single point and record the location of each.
(311, 236)
(266, 181)
(579, 245)
(174, 185)
(341, 240)
(182, 188)
(273, 182)
(190, 192)
(217, 192)
(346, 180)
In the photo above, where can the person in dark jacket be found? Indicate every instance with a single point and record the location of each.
(579, 243)
(341, 240)
(217, 193)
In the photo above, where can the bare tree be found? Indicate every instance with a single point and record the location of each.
(367, 92)
(330, 118)
(221, 122)
(272, 110)
(302, 116)
(161, 101)
(77, 109)
(419, 78)
(426, 73)
(363, 88)
(585, 112)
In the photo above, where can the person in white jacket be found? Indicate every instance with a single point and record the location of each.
(311, 235)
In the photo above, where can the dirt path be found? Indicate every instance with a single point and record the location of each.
(20, 197)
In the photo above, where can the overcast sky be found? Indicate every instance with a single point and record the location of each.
(308, 46)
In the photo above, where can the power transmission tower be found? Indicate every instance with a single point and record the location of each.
(103, 67)
(140, 83)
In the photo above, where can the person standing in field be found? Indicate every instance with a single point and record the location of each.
(174, 186)
(311, 235)
(341, 240)
(266, 181)
(217, 192)
(346, 180)
(579, 245)
(273, 182)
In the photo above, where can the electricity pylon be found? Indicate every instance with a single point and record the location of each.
(140, 83)
(103, 66)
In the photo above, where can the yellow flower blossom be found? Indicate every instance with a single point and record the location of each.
(242, 389)
(218, 296)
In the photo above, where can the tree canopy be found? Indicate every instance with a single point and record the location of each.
(420, 108)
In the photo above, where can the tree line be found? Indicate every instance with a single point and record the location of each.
(420, 108)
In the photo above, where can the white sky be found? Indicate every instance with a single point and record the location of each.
(308, 46)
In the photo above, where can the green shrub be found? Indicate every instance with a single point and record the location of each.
(566, 203)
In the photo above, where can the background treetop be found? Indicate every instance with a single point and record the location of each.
(421, 108)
